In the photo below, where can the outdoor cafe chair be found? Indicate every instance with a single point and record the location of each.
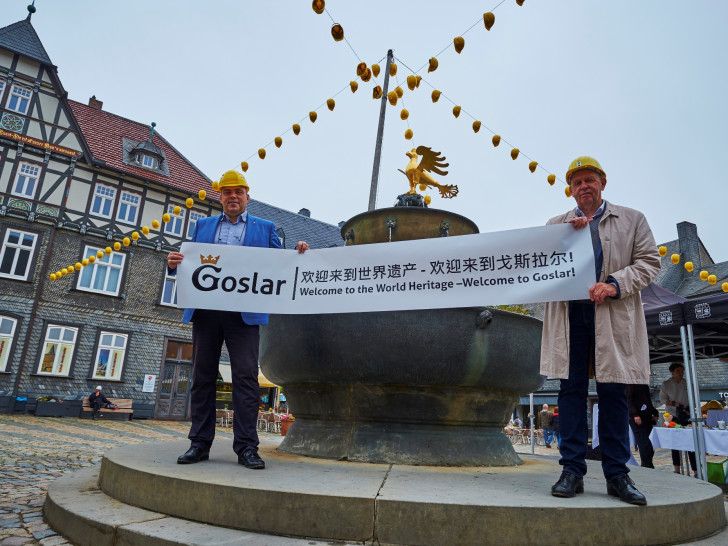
(262, 421)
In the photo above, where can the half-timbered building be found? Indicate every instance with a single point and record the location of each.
(76, 182)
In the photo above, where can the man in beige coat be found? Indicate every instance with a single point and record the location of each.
(603, 337)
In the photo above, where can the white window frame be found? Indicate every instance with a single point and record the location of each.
(169, 296)
(176, 224)
(6, 340)
(112, 345)
(103, 194)
(125, 203)
(27, 176)
(63, 339)
(148, 161)
(192, 222)
(18, 249)
(23, 95)
(99, 272)
(2, 88)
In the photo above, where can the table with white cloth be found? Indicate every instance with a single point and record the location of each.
(716, 441)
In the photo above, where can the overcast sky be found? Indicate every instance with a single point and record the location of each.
(642, 86)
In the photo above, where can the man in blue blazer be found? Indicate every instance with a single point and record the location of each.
(239, 331)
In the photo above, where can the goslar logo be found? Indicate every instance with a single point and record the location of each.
(206, 278)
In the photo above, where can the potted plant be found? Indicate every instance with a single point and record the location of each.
(286, 421)
(54, 406)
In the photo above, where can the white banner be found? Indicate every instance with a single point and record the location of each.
(548, 263)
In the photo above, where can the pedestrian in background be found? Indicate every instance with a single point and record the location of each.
(544, 423)
(642, 417)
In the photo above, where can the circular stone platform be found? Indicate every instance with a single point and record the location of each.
(395, 504)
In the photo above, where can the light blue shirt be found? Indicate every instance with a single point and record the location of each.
(229, 233)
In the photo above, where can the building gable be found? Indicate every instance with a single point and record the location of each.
(21, 38)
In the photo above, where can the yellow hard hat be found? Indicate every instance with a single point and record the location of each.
(584, 162)
(232, 179)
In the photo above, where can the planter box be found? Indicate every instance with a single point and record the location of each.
(57, 409)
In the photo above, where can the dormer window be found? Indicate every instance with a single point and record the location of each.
(147, 161)
(145, 154)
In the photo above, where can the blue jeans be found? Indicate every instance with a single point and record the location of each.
(548, 435)
(613, 411)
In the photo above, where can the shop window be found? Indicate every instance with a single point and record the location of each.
(19, 100)
(104, 275)
(103, 201)
(26, 180)
(16, 254)
(174, 226)
(110, 356)
(58, 350)
(128, 207)
(7, 332)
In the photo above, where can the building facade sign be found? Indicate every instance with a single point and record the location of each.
(39, 143)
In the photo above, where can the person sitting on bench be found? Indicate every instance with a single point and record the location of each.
(97, 400)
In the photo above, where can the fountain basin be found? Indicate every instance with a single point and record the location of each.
(429, 387)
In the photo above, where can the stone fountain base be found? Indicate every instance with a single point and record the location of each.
(431, 426)
(141, 496)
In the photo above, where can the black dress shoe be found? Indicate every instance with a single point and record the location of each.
(193, 455)
(251, 459)
(567, 486)
(623, 487)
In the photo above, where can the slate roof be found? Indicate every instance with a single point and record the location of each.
(712, 374)
(675, 279)
(21, 38)
(297, 227)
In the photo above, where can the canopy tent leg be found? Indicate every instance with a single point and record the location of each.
(533, 440)
(689, 368)
(698, 417)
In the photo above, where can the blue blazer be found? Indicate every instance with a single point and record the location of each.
(258, 232)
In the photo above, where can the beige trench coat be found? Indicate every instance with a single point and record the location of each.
(631, 258)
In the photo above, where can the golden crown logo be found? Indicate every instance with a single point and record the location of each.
(209, 259)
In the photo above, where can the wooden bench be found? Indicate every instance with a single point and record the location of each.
(125, 410)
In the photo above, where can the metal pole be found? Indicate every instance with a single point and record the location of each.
(380, 135)
(691, 399)
(533, 447)
(701, 455)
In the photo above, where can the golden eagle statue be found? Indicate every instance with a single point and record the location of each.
(418, 174)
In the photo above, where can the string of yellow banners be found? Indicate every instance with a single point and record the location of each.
(126, 241)
(366, 73)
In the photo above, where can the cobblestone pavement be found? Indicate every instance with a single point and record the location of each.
(34, 451)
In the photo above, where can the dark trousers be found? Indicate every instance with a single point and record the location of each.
(209, 330)
(691, 458)
(97, 404)
(642, 437)
(613, 411)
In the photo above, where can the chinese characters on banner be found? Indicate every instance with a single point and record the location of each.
(549, 263)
